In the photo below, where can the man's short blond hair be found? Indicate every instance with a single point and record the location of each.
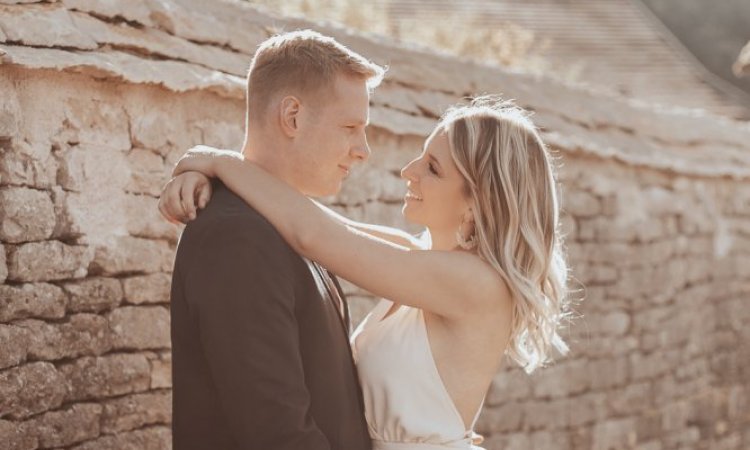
(302, 61)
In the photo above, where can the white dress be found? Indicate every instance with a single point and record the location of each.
(406, 404)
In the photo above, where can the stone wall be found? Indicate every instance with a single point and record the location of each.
(97, 104)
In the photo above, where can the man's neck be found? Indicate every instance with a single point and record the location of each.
(270, 157)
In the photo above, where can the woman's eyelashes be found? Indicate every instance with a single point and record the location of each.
(432, 168)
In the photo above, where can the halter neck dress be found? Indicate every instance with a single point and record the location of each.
(407, 406)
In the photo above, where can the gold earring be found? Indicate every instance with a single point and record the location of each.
(466, 244)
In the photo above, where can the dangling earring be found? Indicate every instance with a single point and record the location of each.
(466, 244)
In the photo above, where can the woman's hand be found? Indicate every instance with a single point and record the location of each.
(181, 197)
(205, 160)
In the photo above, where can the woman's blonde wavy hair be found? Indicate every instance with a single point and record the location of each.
(509, 174)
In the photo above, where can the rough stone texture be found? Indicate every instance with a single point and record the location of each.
(93, 294)
(106, 376)
(68, 426)
(128, 254)
(15, 345)
(82, 334)
(656, 215)
(30, 389)
(41, 300)
(154, 288)
(135, 411)
(27, 215)
(140, 328)
(46, 261)
(14, 437)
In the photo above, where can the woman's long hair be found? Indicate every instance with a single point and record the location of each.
(510, 177)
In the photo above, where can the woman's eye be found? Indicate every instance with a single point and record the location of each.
(432, 169)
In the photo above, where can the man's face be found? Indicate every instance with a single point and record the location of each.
(331, 137)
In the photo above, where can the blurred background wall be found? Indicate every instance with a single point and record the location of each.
(99, 99)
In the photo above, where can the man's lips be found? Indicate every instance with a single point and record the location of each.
(344, 168)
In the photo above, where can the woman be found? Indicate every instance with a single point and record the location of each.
(492, 281)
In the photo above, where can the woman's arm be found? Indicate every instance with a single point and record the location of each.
(394, 235)
(447, 283)
(185, 194)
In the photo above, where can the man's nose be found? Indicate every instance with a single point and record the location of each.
(361, 150)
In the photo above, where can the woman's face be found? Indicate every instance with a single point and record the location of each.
(436, 196)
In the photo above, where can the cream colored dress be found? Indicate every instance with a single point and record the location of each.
(406, 404)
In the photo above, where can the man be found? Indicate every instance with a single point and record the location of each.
(260, 350)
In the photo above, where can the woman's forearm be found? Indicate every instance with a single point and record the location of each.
(297, 218)
(390, 234)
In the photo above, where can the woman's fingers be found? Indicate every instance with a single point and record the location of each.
(167, 201)
(187, 197)
(204, 195)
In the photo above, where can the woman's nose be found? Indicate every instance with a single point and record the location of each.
(407, 172)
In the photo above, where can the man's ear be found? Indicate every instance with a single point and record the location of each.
(289, 115)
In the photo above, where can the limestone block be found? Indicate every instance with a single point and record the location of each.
(13, 436)
(222, 134)
(27, 215)
(148, 172)
(48, 260)
(126, 254)
(41, 300)
(98, 124)
(15, 341)
(3, 269)
(148, 438)
(87, 167)
(394, 96)
(136, 411)
(561, 379)
(511, 441)
(140, 327)
(97, 213)
(144, 219)
(607, 346)
(30, 389)
(507, 386)
(401, 123)
(502, 419)
(153, 129)
(105, 376)
(27, 164)
(82, 334)
(43, 26)
(547, 414)
(615, 433)
(615, 322)
(581, 204)
(77, 423)
(182, 21)
(10, 108)
(93, 294)
(361, 186)
(643, 366)
(161, 371)
(133, 10)
(154, 288)
(588, 408)
(607, 372)
(176, 76)
(392, 153)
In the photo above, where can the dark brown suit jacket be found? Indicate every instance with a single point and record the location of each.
(260, 353)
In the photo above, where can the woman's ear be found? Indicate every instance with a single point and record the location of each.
(289, 115)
